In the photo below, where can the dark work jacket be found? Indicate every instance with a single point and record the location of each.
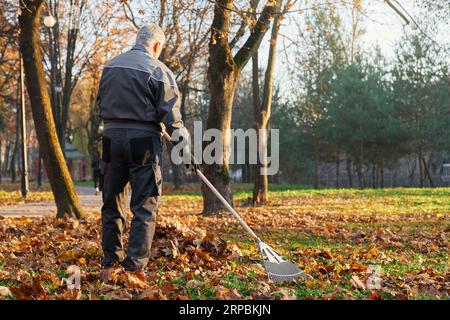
(138, 92)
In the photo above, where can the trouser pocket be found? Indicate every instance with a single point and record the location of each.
(106, 149)
(142, 150)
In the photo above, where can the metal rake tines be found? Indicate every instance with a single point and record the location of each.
(284, 271)
(277, 268)
(268, 253)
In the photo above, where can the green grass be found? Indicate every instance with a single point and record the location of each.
(388, 203)
(392, 200)
(245, 189)
(84, 183)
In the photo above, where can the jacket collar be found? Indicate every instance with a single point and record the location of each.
(140, 47)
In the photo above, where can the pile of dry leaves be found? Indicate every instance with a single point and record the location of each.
(37, 254)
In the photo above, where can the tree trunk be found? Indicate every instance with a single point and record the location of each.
(222, 78)
(261, 185)
(7, 158)
(23, 135)
(15, 153)
(374, 175)
(395, 179)
(39, 173)
(427, 172)
(349, 172)
(66, 199)
(55, 69)
(412, 173)
(13, 163)
(61, 100)
(68, 84)
(256, 115)
(362, 178)
(382, 174)
(421, 178)
(316, 166)
(222, 85)
(338, 173)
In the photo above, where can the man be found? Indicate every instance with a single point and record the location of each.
(136, 93)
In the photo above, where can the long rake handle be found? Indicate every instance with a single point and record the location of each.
(227, 205)
(214, 190)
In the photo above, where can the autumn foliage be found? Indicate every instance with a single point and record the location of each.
(336, 236)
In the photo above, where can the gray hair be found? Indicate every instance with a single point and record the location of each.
(149, 34)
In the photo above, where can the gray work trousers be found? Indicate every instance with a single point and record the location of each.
(130, 155)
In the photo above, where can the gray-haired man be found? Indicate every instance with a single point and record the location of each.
(136, 93)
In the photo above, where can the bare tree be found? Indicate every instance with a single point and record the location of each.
(67, 201)
(223, 75)
(262, 111)
(68, 51)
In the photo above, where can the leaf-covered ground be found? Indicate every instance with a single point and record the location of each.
(338, 236)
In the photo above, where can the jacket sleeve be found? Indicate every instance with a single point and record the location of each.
(168, 100)
(99, 95)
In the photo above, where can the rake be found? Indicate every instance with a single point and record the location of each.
(277, 268)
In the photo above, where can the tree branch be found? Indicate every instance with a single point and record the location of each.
(239, 34)
(130, 17)
(254, 39)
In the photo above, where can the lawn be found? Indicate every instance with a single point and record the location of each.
(10, 194)
(338, 236)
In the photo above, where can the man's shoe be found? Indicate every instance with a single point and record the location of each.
(129, 266)
(109, 264)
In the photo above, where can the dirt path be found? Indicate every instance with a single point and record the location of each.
(89, 201)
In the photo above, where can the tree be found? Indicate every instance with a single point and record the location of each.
(295, 164)
(326, 42)
(321, 48)
(68, 51)
(9, 84)
(363, 121)
(67, 201)
(262, 110)
(223, 74)
(420, 69)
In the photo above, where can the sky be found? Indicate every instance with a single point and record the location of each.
(386, 27)
(383, 25)
(383, 28)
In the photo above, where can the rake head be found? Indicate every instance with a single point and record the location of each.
(277, 268)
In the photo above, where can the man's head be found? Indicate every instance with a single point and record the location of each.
(152, 38)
